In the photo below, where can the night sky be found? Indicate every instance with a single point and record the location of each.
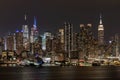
(51, 14)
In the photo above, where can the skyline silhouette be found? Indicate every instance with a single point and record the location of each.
(52, 14)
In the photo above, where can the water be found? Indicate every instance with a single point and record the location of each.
(60, 73)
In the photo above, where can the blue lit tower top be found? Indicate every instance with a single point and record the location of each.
(34, 31)
(34, 25)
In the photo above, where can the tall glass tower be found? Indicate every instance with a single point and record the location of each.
(25, 30)
(34, 35)
(34, 32)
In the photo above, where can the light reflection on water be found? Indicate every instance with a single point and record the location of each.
(8, 65)
(60, 73)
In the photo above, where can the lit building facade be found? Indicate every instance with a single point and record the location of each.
(47, 35)
(34, 32)
(117, 45)
(37, 46)
(10, 42)
(101, 37)
(1, 45)
(61, 32)
(100, 32)
(76, 41)
(19, 42)
(49, 45)
(62, 40)
(88, 44)
(68, 39)
(26, 40)
(33, 36)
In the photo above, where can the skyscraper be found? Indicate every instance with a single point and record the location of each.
(19, 42)
(100, 37)
(117, 45)
(25, 30)
(76, 41)
(87, 42)
(10, 42)
(62, 40)
(61, 31)
(34, 32)
(1, 45)
(46, 36)
(34, 35)
(68, 39)
(100, 32)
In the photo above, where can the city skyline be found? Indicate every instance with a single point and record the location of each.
(51, 15)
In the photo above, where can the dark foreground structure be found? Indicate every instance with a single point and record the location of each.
(60, 73)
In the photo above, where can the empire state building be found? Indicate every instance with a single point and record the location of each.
(100, 32)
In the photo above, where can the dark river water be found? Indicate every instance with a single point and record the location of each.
(60, 73)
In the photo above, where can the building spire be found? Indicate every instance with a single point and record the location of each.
(34, 22)
(25, 17)
(100, 18)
